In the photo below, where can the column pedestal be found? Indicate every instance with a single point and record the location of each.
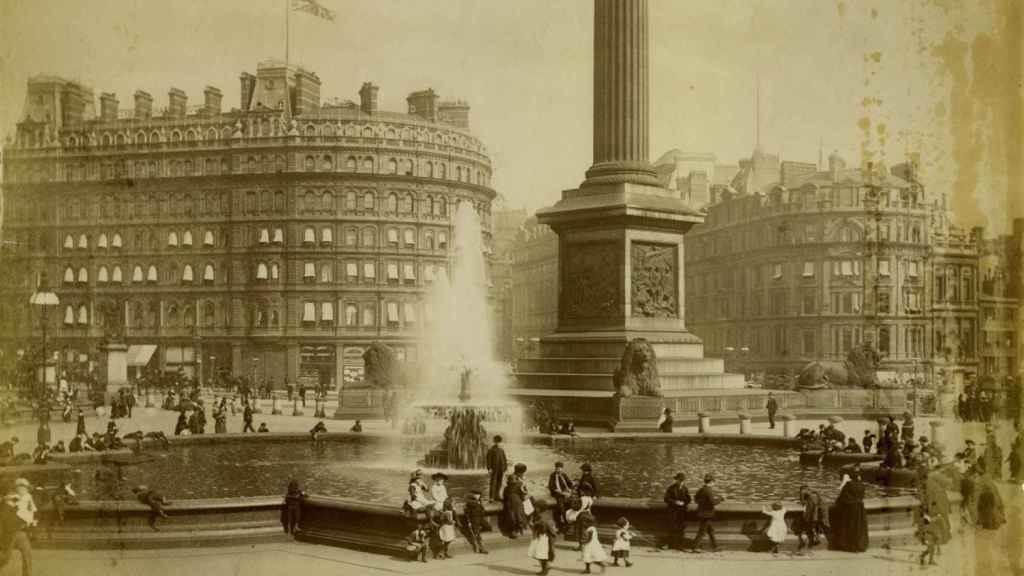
(938, 435)
(296, 410)
(113, 368)
(703, 422)
(744, 424)
(788, 425)
(274, 407)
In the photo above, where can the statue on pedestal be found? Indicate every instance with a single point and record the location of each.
(637, 374)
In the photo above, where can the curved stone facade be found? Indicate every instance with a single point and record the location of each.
(275, 245)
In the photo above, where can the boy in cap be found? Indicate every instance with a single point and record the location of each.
(677, 498)
(706, 499)
(476, 521)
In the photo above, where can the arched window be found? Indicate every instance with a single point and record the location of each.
(189, 316)
(326, 235)
(69, 275)
(441, 170)
(69, 242)
(186, 238)
(442, 241)
(263, 237)
(275, 272)
(368, 201)
(309, 164)
(151, 274)
(326, 163)
(392, 166)
(278, 237)
(428, 240)
(309, 235)
(172, 315)
(208, 238)
(186, 273)
(458, 172)
(209, 314)
(430, 170)
(369, 238)
(309, 201)
(115, 276)
(326, 273)
(69, 315)
(274, 320)
(351, 315)
(101, 275)
(327, 201)
(83, 242)
(261, 271)
(83, 315)
(208, 274)
(392, 203)
(137, 274)
(367, 164)
(172, 239)
(279, 201)
(83, 276)
(116, 242)
(137, 317)
(351, 237)
(350, 164)
(102, 241)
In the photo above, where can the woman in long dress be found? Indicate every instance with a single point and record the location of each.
(515, 491)
(991, 514)
(848, 519)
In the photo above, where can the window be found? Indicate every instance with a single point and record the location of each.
(83, 242)
(369, 238)
(101, 275)
(777, 271)
(186, 273)
(369, 316)
(410, 312)
(912, 268)
(326, 312)
(327, 235)
(326, 273)
(369, 271)
(368, 201)
(172, 239)
(274, 271)
(186, 238)
(809, 343)
(309, 271)
(808, 270)
(327, 202)
(83, 315)
(392, 317)
(115, 276)
(309, 235)
(208, 238)
(807, 305)
(442, 241)
(884, 302)
(428, 272)
(883, 267)
(261, 271)
(69, 315)
(410, 237)
(351, 237)
(392, 236)
(278, 236)
(208, 273)
(69, 275)
(102, 241)
(409, 273)
(351, 315)
(847, 268)
(392, 203)
(392, 272)
(428, 241)
(137, 274)
(351, 271)
(83, 276)
(69, 242)
(309, 312)
(151, 275)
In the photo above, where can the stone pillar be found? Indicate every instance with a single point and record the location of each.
(149, 399)
(296, 407)
(274, 407)
(621, 110)
(113, 368)
(744, 424)
(703, 422)
(254, 400)
(938, 432)
(788, 425)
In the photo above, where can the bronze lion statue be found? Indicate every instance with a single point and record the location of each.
(637, 374)
(857, 371)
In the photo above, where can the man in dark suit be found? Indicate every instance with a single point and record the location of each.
(677, 498)
(706, 499)
(773, 409)
(497, 464)
(560, 487)
(812, 521)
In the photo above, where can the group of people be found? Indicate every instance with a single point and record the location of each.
(975, 405)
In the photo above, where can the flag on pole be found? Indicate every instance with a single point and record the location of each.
(313, 7)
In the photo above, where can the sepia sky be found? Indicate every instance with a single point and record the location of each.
(872, 79)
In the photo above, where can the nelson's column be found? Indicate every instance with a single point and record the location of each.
(620, 262)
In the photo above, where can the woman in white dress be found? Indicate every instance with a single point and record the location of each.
(777, 528)
(542, 543)
(593, 552)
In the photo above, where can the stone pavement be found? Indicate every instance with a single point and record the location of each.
(983, 555)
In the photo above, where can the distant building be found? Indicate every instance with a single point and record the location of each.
(506, 227)
(999, 268)
(274, 240)
(534, 286)
(693, 175)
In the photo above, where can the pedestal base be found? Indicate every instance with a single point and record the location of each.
(637, 413)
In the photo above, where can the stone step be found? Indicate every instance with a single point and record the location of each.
(608, 365)
(669, 381)
(144, 539)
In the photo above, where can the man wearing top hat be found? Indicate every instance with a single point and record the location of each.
(497, 464)
(677, 498)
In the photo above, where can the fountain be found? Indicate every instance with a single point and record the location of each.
(463, 383)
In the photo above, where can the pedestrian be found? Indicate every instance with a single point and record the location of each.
(497, 464)
(542, 543)
(587, 485)
(318, 430)
(80, 427)
(848, 519)
(13, 536)
(677, 498)
(291, 511)
(776, 531)
(907, 430)
(773, 409)
(706, 499)
(220, 418)
(418, 540)
(302, 393)
(592, 551)
(247, 419)
(182, 424)
(263, 428)
(993, 456)
(516, 518)
(621, 546)
(154, 500)
(438, 490)
(130, 401)
(812, 520)
(476, 521)
(446, 532)
(357, 427)
(24, 504)
(666, 422)
(868, 441)
(928, 534)
(560, 486)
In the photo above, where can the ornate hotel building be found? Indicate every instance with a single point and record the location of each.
(275, 240)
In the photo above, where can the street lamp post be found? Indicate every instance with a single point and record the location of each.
(44, 298)
(913, 382)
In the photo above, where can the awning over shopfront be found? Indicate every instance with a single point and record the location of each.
(140, 354)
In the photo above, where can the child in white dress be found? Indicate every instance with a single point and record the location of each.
(593, 552)
(777, 528)
(620, 549)
(542, 544)
(446, 533)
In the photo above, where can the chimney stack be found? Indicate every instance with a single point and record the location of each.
(108, 107)
(455, 113)
(368, 98)
(423, 104)
(177, 102)
(211, 100)
(143, 105)
(248, 86)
